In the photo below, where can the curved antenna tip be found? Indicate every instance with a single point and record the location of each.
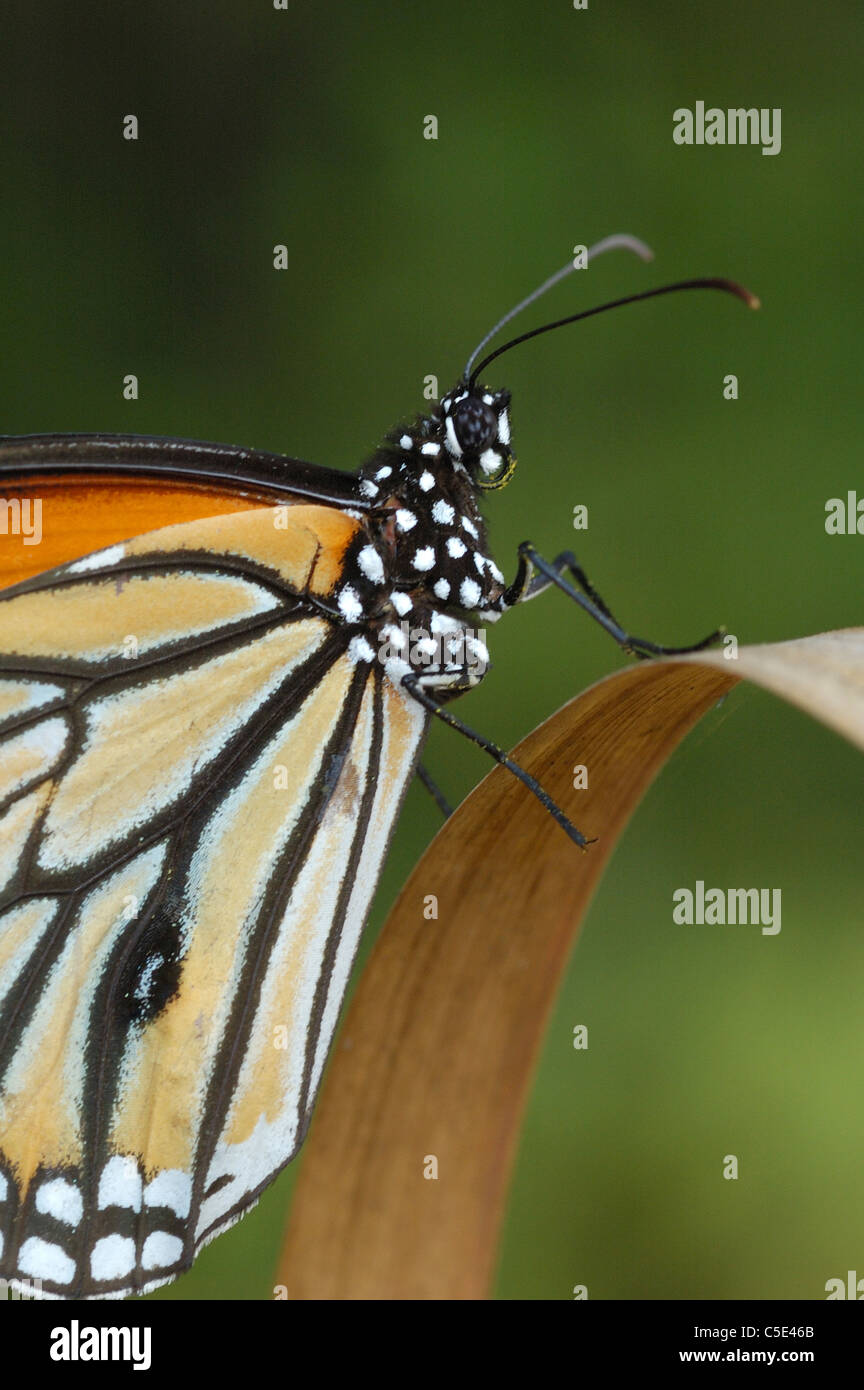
(622, 241)
(741, 292)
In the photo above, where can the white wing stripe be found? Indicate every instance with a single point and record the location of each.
(394, 769)
(288, 997)
(21, 929)
(23, 696)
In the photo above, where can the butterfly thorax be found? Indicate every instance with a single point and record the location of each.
(427, 479)
(423, 565)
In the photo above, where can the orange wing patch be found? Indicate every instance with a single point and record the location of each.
(78, 514)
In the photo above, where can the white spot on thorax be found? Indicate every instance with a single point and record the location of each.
(349, 604)
(452, 442)
(394, 635)
(359, 650)
(442, 622)
(478, 650)
(371, 564)
(401, 602)
(395, 669)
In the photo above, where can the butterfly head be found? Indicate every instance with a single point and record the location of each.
(477, 434)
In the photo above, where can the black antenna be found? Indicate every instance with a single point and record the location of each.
(619, 241)
(728, 286)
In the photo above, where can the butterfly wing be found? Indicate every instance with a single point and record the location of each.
(251, 471)
(64, 494)
(198, 784)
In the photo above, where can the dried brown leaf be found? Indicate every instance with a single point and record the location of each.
(438, 1050)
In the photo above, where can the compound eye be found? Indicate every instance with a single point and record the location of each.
(476, 425)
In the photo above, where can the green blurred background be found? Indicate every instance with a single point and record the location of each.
(259, 127)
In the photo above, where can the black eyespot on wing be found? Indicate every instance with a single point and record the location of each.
(150, 975)
(476, 425)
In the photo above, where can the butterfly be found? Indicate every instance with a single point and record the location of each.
(207, 729)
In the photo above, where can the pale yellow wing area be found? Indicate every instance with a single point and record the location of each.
(199, 777)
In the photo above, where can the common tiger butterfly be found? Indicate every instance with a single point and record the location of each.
(206, 733)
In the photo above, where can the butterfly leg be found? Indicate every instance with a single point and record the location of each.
(529, 583)
(434, 791)
(431, 702)
(535, 574)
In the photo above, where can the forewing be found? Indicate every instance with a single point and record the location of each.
(62, 495)
(197, 788)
